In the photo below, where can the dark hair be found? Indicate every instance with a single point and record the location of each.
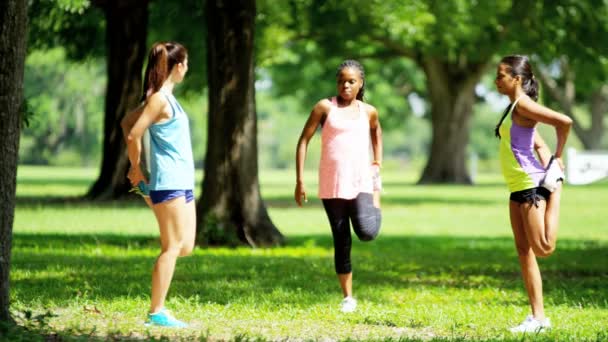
(351, 63)
(520, 66)
(502, 118)
(162, 58)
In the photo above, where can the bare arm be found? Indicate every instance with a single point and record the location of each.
(542, 150)
(150, 113)
(375, 131)
(562, 123)
(129, 120)
(314, 120)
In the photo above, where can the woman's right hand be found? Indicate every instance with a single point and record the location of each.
(135, 176)
(300, 194)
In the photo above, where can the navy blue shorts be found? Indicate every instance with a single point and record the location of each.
(160, 196)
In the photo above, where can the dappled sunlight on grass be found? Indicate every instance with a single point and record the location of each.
(444, 266)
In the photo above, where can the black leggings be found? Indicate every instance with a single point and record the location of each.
(366, 221)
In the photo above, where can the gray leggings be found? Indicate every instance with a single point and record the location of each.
(366, 221)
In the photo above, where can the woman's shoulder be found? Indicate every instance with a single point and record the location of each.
(157, 98)
(369, 109)
(324, 104)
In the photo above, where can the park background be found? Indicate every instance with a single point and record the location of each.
(444, 266)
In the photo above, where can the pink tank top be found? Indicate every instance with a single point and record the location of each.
(345, 168)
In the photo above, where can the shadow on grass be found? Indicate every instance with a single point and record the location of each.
(67, 182)
(413, 200)
(59, 268)
(77, 202)
(277, 201)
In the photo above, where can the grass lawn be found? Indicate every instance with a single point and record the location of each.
(444, 267)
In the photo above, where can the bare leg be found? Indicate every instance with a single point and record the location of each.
(377, 199)
(552, 215)
(527, 260)
(346, 283)
(176, 236)
(541, 233)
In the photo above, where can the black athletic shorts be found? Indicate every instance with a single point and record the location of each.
(531, 196)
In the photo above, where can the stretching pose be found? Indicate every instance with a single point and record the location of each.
(349, 181)
(168, 191)
(535, 184)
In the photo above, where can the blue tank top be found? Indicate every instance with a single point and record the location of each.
(171, 161)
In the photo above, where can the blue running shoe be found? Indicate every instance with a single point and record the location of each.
(163, 318)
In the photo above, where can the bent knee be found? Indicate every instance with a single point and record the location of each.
(544, 249)
(368, 235)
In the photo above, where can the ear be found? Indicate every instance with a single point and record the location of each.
(517, 79)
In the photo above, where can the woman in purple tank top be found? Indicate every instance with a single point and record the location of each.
(349, 180)
(535, 184)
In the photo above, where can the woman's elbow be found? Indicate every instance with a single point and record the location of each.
(131, 138)
(566, 121)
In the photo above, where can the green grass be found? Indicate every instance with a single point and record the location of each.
(444, 267)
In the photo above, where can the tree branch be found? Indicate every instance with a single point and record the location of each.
(565, 98)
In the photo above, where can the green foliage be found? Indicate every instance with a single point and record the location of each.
(74, 25)
(65, 102)
(183, 23)
(572, 30)
(443, 268)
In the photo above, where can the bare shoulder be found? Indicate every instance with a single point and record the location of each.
(371, 110)
(157, 100)
(157, 106)
(323, 106)
(532, 111)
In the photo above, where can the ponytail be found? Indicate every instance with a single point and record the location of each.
(156, 71)
(530, 86)
(162, 58)
(520, 66)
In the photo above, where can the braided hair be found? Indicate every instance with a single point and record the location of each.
(351, 63)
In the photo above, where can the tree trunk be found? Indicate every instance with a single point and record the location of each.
(599, 110)
(231, 209)
(13, 33)
(590, 137)
(126, 32)
(451, 91)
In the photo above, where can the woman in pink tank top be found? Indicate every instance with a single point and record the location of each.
(349, 179)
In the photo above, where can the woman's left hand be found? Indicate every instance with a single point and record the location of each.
(135, 176)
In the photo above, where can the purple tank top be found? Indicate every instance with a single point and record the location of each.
(522, 146)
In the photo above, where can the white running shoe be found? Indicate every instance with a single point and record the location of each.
(553, 175)
(349, 304)
(532, 325)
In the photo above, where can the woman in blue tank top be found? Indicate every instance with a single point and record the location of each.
(168, 189)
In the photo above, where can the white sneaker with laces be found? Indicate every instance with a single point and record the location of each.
(349, 304)
(532, 325)
(553, 175)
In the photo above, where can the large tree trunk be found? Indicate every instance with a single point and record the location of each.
(231, 208)
(126, 31)
(451, 90)
(13, 27)
(590, 137)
